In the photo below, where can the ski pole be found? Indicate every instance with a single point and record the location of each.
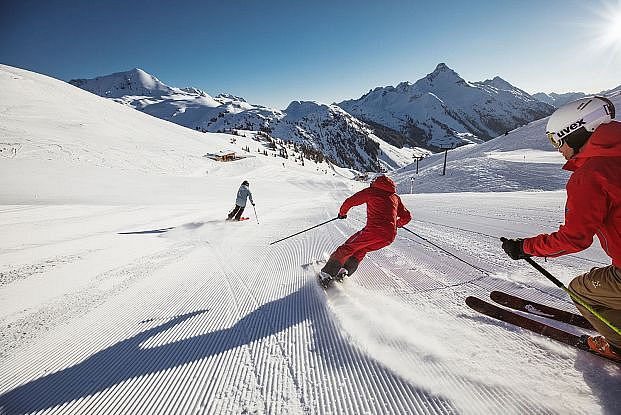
(255, 214)
(444, 250)
(572, 295)
(305, 230)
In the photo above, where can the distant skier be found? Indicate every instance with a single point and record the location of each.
(583, 131)
(240, 203)
(385, 213)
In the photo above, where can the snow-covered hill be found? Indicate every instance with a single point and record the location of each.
(346, 141)
(135, 82)
(124, 291)
(443, 110)
(96, 140)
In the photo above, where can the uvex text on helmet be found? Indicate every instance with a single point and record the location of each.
(574, 122)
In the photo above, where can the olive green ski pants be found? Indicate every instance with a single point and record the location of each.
(601, 289)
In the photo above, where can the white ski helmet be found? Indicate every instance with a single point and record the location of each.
(574, 122)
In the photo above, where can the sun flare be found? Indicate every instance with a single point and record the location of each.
(614, 30)
(610, 26)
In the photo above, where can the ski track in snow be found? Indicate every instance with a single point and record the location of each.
(215, 320)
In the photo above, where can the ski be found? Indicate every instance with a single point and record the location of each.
(508, 316)
(532, 307)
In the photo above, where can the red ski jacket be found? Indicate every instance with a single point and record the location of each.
(593, 200)
(385, 212)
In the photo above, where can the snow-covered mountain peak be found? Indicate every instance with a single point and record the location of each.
(499, 83)
(442, 67)
(442, 75)
(133, 82)
(143, 78)
(301, 109)
(443, 110)
(195, 91)
(403, 86)
(230, 97)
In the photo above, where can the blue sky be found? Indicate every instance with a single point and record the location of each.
(273, 52)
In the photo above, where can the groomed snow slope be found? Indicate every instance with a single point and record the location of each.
(122, 289)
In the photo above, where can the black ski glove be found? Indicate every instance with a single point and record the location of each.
(514, 248)
(342, 216)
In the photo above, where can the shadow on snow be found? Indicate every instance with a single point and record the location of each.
(147, 232)
(187, 226)
(127, 360)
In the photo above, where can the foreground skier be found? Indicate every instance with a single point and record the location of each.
(583, 131)
(385, 213)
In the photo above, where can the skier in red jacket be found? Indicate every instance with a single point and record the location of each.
(583, 131)
(385, 213)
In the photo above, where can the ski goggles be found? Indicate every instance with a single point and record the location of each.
(556, 143)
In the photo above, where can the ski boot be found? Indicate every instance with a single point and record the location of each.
(351, 265)
(599, 345)
(325, 279)
(341, 275)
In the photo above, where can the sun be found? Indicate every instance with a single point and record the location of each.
(609, 27)
(612, 33)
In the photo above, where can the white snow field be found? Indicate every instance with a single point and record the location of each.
(124, 291)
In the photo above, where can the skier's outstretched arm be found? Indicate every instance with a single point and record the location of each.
(403, 215)
(354, 200)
